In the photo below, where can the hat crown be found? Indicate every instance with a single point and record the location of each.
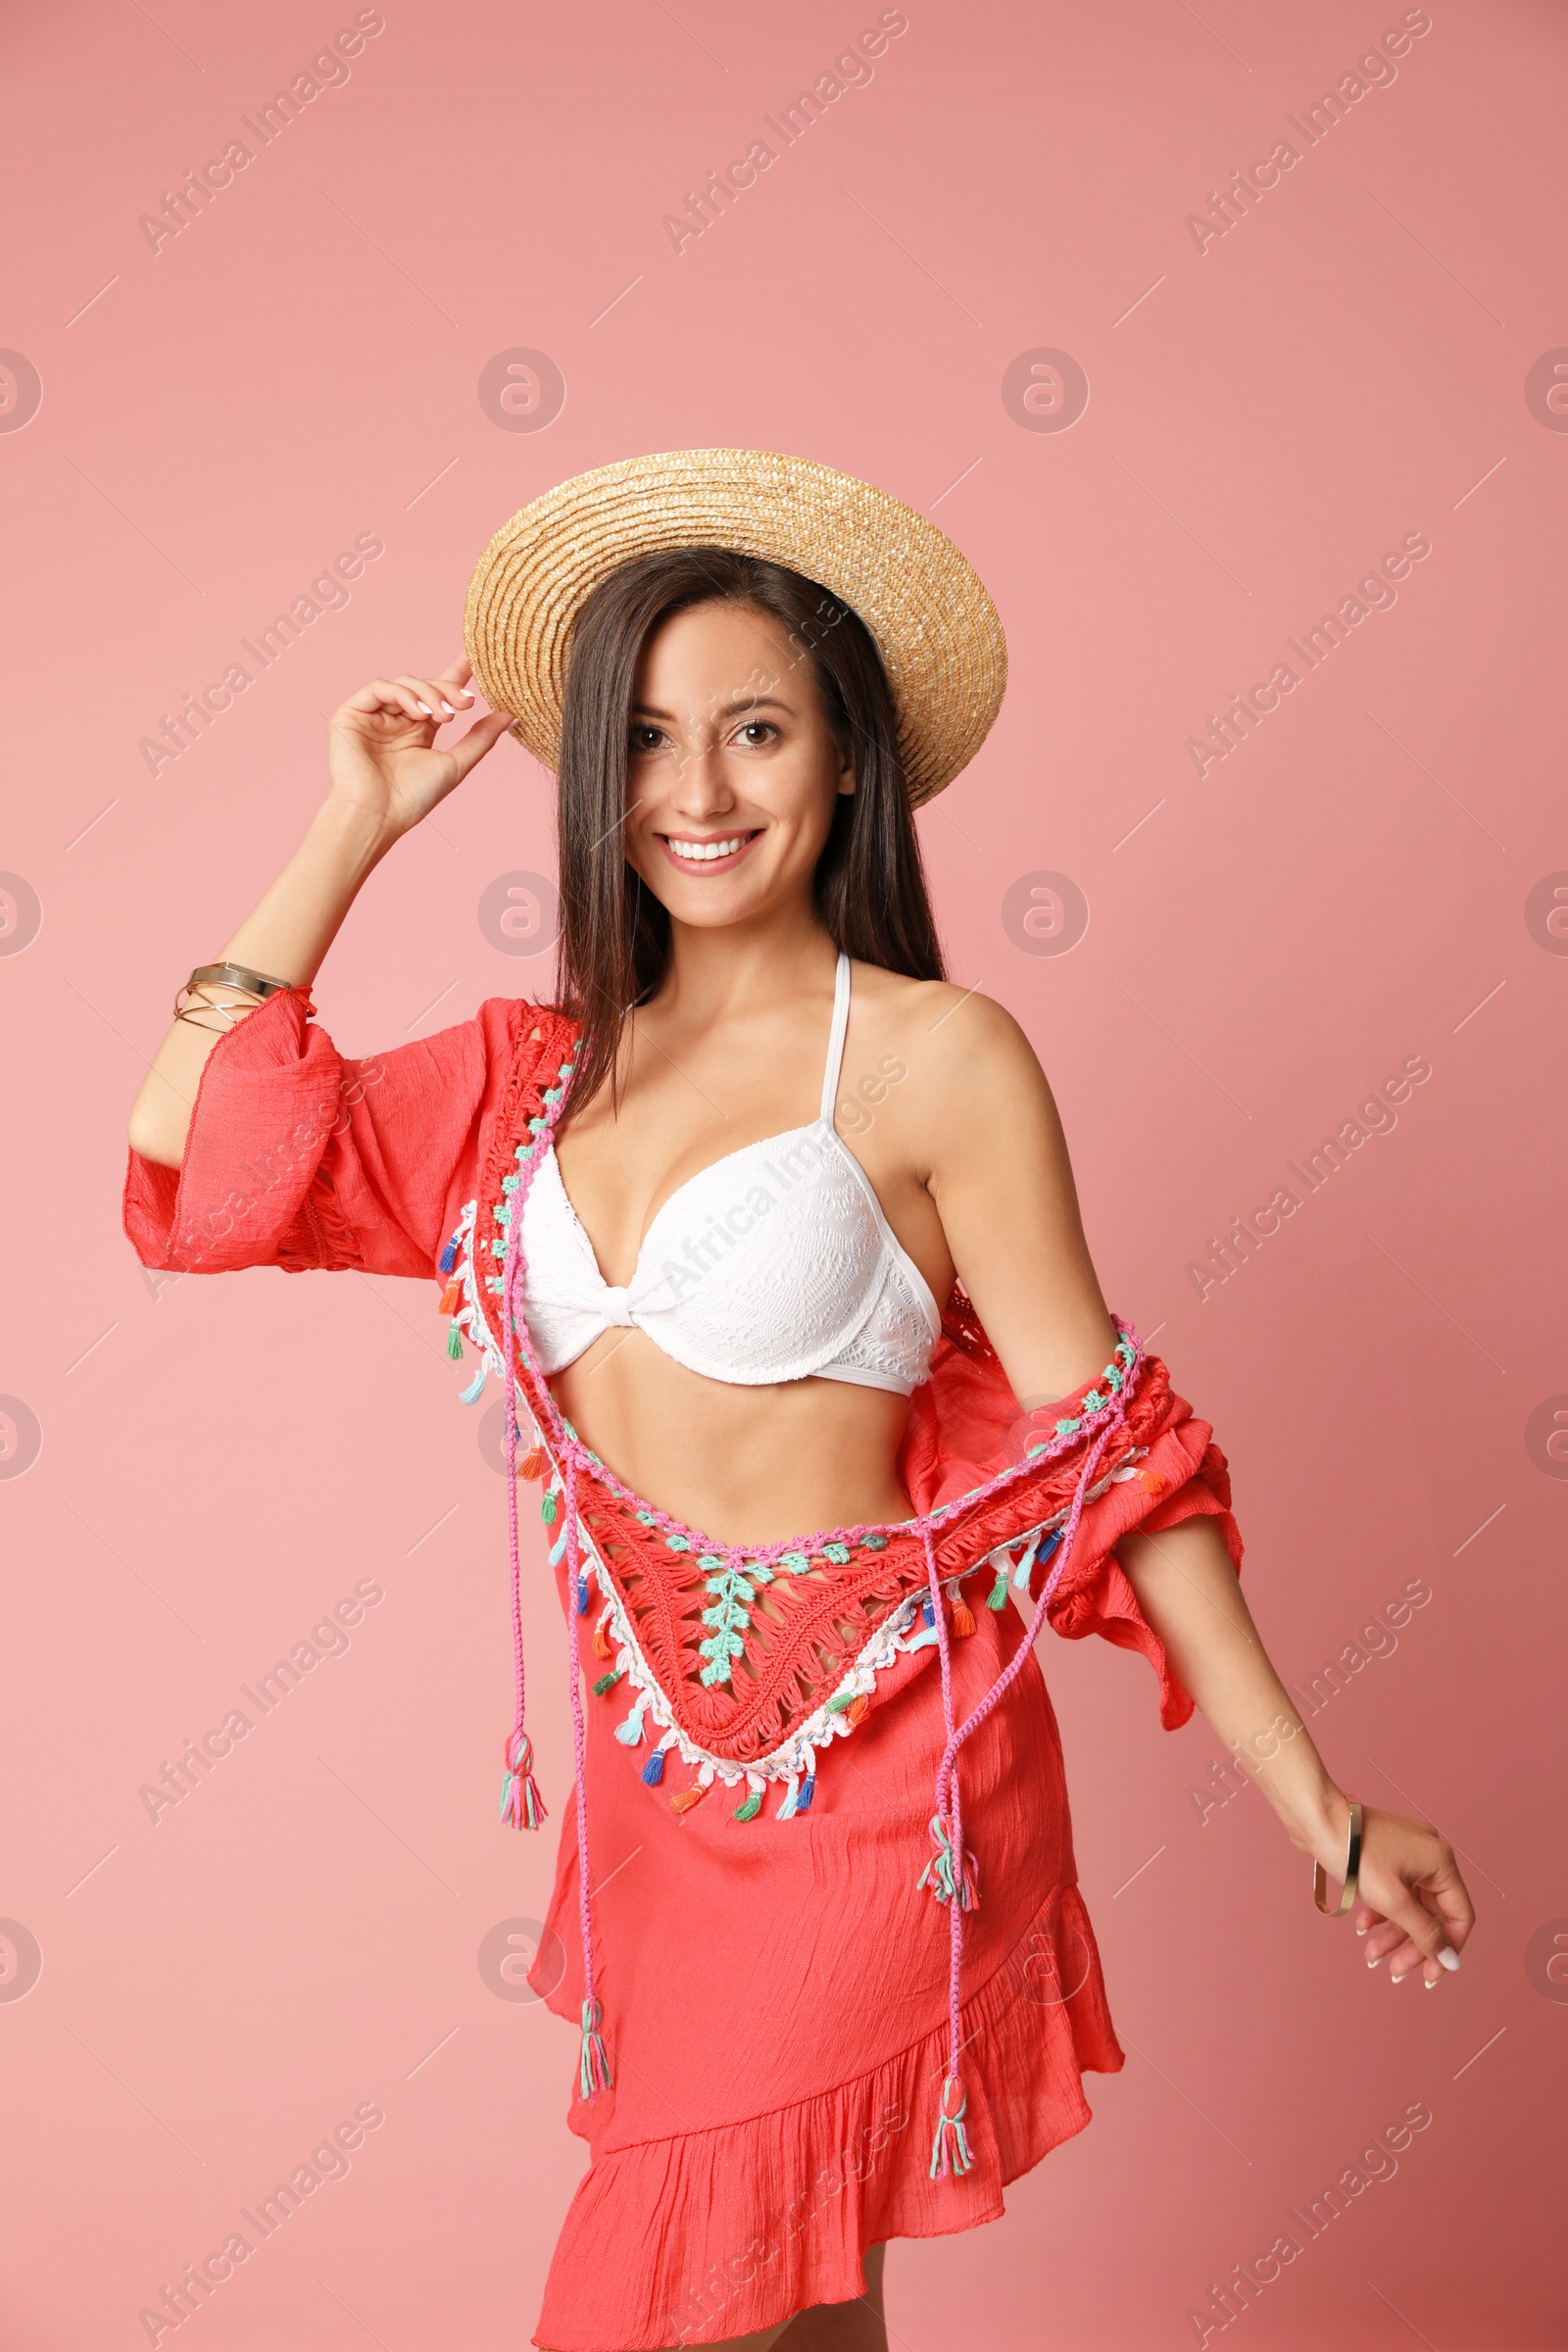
(936, 628)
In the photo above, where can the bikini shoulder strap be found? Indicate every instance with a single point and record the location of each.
(835, 1043)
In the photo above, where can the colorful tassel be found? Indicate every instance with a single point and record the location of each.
(751, 1808)
(653, 1770)
(808, 1791)
(1152, 1482)
(1024, 1566)
(471, 1395)
(603, 1647)
(582, 1594)
(861, 1707)
(938, 1872)
(684, 1798)
(996, 1597)
(451, 1299)
(962, 1617)
(950, 2149)
(532, 1462)
(608, 1682)
(455, 1344)
(790, 1803)
(631, 1730)
(593, 2074)
(547, 1509)
(520, 1802)
(448, 1256)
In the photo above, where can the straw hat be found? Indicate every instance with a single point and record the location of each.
(934, 625)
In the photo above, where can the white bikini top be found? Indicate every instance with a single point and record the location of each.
(775, 1263)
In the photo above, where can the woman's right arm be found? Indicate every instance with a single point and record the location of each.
(384, 775)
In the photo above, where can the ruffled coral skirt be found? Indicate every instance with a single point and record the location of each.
(775, 2003)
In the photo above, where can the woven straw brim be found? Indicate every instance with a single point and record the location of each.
(934, 625)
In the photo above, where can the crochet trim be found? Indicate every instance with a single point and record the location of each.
(791, 1759)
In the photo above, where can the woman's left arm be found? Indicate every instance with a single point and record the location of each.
(1414, 1910)
(999, 1172)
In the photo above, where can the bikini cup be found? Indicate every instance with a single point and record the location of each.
(775, 1263)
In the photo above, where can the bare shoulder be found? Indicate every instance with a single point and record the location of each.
(962, 1049)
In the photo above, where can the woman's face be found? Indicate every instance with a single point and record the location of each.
(732, 773)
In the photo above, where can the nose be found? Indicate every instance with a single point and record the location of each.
(703, 788)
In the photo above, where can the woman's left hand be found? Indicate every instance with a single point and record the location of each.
(1414, 1905)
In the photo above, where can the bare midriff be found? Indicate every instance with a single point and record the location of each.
(743, 1465)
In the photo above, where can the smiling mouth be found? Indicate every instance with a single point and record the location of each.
(722, 850)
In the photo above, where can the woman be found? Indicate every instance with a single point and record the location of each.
(812, 2017)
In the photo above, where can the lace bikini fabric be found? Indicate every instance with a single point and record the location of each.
(775, 1263)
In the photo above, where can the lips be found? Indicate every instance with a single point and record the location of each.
(718, 852)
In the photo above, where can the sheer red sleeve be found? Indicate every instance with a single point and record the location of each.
(964, 1425)
(303, 1157)
(1183, 1475)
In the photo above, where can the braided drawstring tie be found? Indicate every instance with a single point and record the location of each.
(520, 1802)
(950, 2148)
(595, 2073)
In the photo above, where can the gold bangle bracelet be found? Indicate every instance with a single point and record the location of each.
(1352, 1869)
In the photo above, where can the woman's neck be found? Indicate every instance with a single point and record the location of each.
(711, 972)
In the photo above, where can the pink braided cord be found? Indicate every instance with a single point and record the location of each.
(949, 1810)
(509, 1284)
(950, 1813)
(579, 1742)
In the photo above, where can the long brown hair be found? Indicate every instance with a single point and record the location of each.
(869, 885)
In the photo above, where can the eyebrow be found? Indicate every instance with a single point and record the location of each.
(746, 702)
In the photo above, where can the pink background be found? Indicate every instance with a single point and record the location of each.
(222, 1461)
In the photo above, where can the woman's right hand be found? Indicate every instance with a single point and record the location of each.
(382, 762)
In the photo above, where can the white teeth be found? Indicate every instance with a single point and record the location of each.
(696, 852)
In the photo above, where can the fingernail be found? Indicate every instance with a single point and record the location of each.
(425, 708)
(1448, 1958)
(1362, 1930)
(467, 694)
(447, 707)
(1372, 1963)
(1432, 1983)
(1397, 1980)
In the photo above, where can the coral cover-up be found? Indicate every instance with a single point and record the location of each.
(775, 1993)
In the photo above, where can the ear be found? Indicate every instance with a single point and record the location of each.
(847, 777)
